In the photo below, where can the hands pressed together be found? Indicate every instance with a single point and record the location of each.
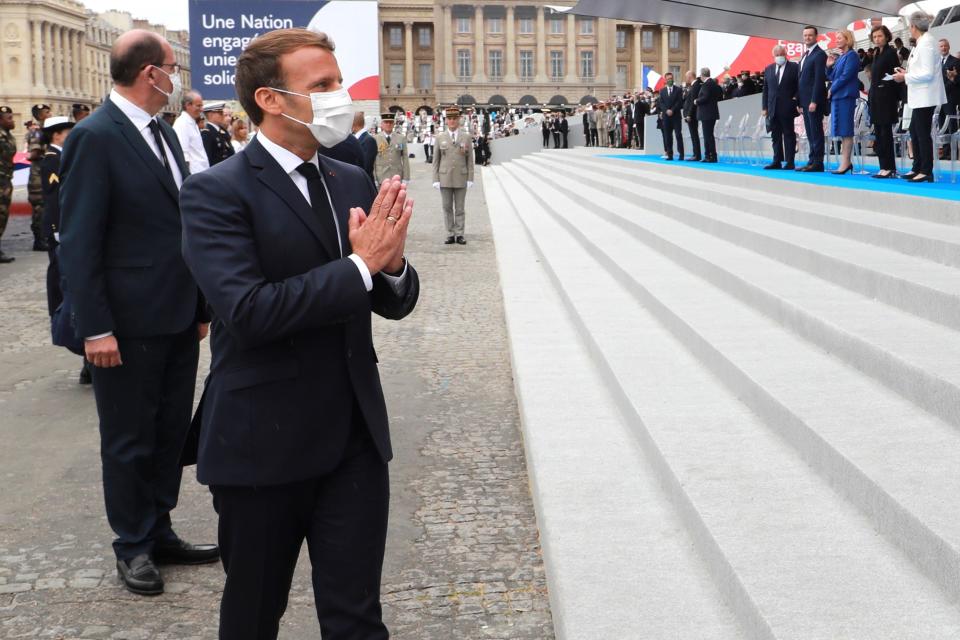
(380, 236)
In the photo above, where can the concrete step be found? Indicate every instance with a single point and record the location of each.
(909, 206)
(886, 455)
(918, 286)
(877, 226)
(616, 554)
(913, 356)
(793, 558)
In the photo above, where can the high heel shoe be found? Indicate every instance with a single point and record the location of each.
(840, 173)
(921, 178)
(884, 176)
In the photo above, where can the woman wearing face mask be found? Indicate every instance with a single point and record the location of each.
(842, 70)
(884, 100)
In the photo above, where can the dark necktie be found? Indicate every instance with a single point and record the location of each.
(321, 206)
(155, 129)
(388, 140)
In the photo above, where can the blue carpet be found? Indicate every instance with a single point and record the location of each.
(940, 190)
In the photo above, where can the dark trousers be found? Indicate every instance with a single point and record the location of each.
(428, 152)
(813, 124)
(948, 109)
(556, 139)
(594, 138)
(784, 138)
(546, 139)
(921, 129)
(673, 128)
(694, 137)
(54, 292)
(144, 407)
(709, 142)
(342, 516)
(883, 146)
(565, 134)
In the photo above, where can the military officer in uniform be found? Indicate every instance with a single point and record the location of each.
(80, 111)
(35, 150)
(453, 173)
(392, 155)
(8, 149)
(216, 138)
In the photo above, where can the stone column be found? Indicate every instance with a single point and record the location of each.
(479, 63)
(573, 65)
(510, 49)
(45, 48)
(449, 31)
(56, 44)
(71, 66)
(408, 60)
(78, 61)
(637, 57)
(37, 54)
(603, 57)
(664, 49)
(541, 73)
(692, 35)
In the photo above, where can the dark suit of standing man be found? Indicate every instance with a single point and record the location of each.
(781, 107)
(950, 67)
(294, 440)
(367, 144)
(671, 107)
(690, 113)
(136, 304)
(812, 94)
(708, 112)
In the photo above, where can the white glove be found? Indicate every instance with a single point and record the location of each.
(436, 185)
(469, 184)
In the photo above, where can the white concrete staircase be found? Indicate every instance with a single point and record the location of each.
(741, 400)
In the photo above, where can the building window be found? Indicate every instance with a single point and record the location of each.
(556, 25)
(426, 76)
(675, 70)
(463, 25)
(647, 39)
(396, 37)
(556, 64)
(425, 37)
(586, 64)
(463, 63)
(622, 77)
(526, 64)
(674, 40)
(396, 76)
(621, 38)
(495, 25)
(496, 63)
(526, 26)
(586, 26)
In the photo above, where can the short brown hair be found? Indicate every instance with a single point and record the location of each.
(886, 32)
(259, 65)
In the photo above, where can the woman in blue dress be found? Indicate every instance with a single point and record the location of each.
(843, 73)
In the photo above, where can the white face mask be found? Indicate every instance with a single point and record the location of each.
(332, 115)
(173, 98)
(780, 60)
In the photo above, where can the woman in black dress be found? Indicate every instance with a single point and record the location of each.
(884, 100)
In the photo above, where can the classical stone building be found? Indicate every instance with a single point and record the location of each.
(58, 52)
(516, 52)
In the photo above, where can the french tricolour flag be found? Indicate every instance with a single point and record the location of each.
(654, 80)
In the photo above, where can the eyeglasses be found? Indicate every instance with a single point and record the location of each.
(174, 65)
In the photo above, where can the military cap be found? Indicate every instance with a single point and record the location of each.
(80, 107)
(214, 106)
(452, 112)
(5, 110)
(37, 108)
(384, 117)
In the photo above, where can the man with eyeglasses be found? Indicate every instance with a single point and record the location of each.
(136, 305)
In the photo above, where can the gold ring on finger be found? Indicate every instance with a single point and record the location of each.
(391, 218)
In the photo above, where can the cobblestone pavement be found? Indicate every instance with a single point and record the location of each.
(463, 554)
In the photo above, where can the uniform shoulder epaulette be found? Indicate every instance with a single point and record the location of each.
(50, 153)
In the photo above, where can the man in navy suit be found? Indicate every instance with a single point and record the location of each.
(136, 304)
(367, 143)
(671, 108)
(812, 93)
(781, 107)
(294, 251)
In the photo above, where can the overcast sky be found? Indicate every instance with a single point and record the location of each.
(174, 14)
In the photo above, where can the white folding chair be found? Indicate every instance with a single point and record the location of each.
(862, 134)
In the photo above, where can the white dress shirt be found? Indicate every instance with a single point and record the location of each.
(289, 162)
(189, 134)
(141, 120)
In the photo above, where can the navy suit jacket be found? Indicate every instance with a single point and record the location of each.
(348, 151)
(120, 231)
(780, 98)
(293, 354)
(813, 80)
(673, 102)
(369, 147)
(707, 102)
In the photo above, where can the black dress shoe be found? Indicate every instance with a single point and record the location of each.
(39, 244)
(86, 377)
(909, 176)
(789, 167)
(461, 240)
(5, 259)
(181, 552)
(449, 240)
(881, 176)
(840, 172)
(773, 167)
(921, 178)
(812, 168)
(694, 159)
(139, 575)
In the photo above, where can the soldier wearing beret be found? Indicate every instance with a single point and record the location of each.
(216, 138)
(35, 150)
(80, 111)
(8, 149)
(392, 155)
